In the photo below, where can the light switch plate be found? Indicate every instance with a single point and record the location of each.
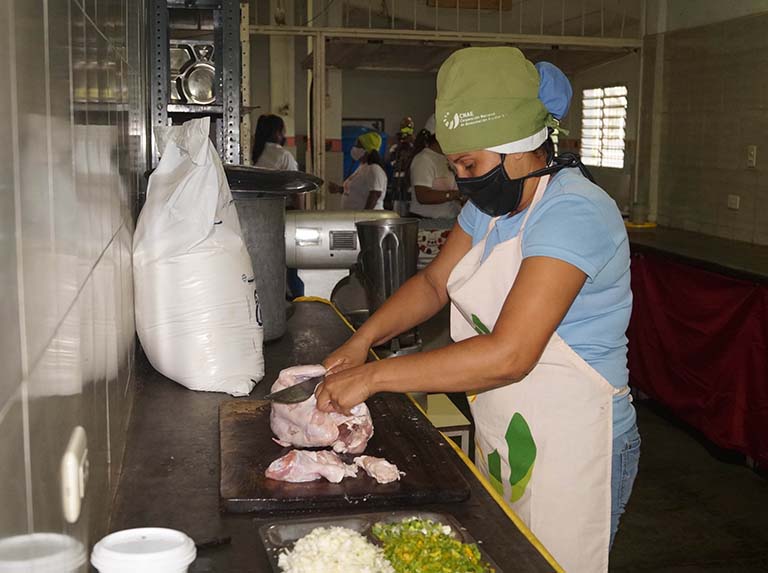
(751, 156)
(734, 202)
(74, 474)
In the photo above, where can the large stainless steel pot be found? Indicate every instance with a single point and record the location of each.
(260, 198)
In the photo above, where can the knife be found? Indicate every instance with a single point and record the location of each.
(296, 393)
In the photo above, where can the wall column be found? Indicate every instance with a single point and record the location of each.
(282, 58)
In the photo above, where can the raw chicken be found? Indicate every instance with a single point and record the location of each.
(379, 469)
(304, 426)
(302, 465)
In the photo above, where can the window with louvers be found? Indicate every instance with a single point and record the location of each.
(603, 126)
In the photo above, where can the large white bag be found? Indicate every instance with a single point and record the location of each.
(197, 311)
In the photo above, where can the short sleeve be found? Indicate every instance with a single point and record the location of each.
(288, 162)
(468, 218)
(379, 180)
(574, 229)
(423, 171)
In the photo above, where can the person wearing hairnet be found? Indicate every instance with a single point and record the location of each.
(537, 275)
(365, 188)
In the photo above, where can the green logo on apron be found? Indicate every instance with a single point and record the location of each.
(522, 455)
(478, 325)
(494, 471)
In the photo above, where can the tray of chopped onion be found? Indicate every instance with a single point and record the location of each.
(384, 542)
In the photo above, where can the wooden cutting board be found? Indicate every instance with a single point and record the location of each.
(402, 435)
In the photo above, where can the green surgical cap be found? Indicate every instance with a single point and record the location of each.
(487, 97)
(370, 141)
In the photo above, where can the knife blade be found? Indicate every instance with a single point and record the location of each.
(296, 393)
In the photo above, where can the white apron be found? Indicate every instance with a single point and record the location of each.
(545, 443)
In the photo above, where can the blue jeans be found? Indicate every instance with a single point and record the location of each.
(626, 457)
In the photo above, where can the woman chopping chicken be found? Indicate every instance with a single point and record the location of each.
(537, 274)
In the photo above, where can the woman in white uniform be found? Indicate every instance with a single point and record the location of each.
(434, 194)
(365, 188)
(268, 150)
(537, 274)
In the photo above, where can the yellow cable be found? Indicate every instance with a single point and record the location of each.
(463, 457)
(640, 225)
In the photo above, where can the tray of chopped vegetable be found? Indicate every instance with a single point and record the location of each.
(385, 542)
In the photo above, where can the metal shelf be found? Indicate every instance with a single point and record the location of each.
(225, 115)
(191, 108)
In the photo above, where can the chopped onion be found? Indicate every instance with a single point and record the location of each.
(334, 550)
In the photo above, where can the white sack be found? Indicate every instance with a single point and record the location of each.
(197, 311)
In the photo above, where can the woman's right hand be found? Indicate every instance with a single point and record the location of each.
(351, 354)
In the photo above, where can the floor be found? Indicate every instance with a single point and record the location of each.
(693, 508)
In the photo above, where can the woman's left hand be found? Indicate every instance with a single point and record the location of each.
(343, 391)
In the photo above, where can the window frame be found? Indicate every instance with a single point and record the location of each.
(597, 148)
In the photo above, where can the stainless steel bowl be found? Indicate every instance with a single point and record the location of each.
(197, 83)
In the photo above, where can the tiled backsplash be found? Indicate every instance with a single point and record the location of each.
(73, 108)
(715, 104)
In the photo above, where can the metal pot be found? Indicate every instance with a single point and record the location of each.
(260, 197)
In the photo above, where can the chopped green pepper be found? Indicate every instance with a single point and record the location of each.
(424, 546)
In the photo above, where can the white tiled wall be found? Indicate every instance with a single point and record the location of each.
(715, 103)
(71, 163)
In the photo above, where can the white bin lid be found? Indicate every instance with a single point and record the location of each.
(146, 549)
(41, 553)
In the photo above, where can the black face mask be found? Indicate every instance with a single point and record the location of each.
(495, 194)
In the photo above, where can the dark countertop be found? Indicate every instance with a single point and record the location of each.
(734, 258)
(170, 474)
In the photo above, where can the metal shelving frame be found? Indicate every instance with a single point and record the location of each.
(225, 113)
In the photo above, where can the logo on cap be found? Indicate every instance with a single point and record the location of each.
(451, 122)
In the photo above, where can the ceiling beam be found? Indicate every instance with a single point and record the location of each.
(449, 36)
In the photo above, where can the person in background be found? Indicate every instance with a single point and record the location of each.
(268, 153)
(268, 150)
(398, 157)
(434, 194)
(365, 188)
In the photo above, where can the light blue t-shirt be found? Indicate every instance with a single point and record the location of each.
(579, 223)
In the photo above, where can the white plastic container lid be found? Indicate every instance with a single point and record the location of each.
(146, 549)
(41, 553)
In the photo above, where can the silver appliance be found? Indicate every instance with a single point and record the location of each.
(323, 246)
(387, 259)
(325, 239)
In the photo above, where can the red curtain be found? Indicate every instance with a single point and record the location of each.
(698, 343)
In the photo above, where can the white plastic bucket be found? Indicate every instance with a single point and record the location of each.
(42, 553)
(146, 549)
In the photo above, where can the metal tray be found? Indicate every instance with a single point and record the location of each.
(282, 535)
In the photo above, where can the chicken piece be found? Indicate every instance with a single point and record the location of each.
(379, 469)
(302, 465)
(304, 426)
